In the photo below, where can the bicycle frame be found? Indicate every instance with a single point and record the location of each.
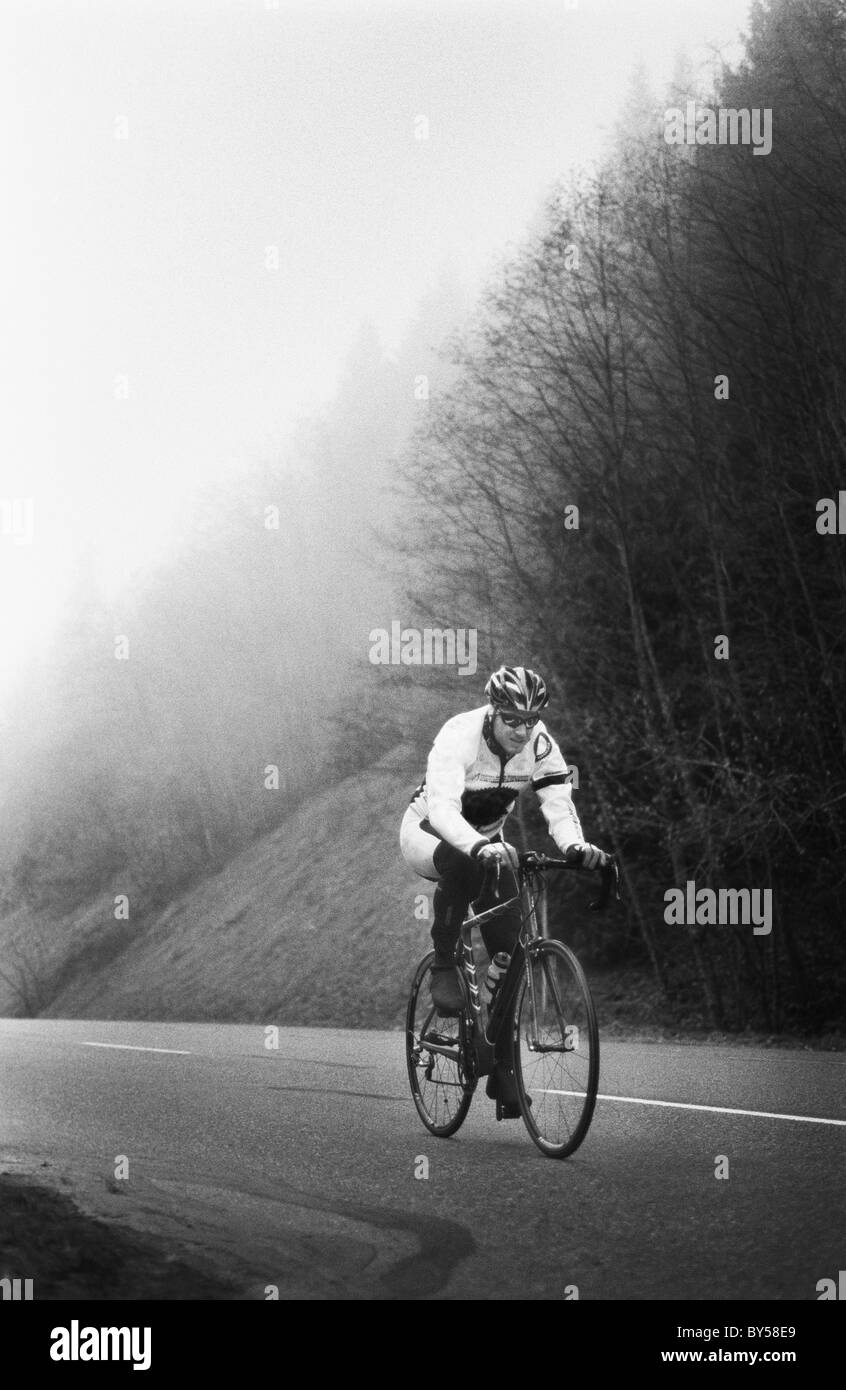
(531, 889)
(465, 961)
(529, 931)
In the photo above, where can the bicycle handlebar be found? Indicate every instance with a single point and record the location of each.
(530, 861)
(610, 871)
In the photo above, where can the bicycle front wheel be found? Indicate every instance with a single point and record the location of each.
(436, 1053)
(556, 1049)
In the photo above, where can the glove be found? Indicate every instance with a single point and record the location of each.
(488, 853)
(591, 856)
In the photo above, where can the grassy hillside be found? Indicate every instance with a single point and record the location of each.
(313, 923)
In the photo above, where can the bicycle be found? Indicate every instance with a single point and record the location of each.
(543, 1023)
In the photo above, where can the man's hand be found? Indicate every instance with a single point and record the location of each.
(591, 856)
(488, 853)
(494, 856)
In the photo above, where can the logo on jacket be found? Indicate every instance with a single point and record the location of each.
(542, 746)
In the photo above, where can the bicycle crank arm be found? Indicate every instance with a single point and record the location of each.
(451, 1052)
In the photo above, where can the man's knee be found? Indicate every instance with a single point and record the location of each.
(458, 873)
(450, 906)
(456, 889)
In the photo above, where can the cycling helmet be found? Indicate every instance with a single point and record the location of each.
(515, 687)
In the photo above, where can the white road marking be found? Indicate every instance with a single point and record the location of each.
(687, 1105)
(133, 1047)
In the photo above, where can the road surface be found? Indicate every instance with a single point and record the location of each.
(303, 1170)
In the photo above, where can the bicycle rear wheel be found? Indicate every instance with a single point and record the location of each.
(435, 1053)
(556, 1049)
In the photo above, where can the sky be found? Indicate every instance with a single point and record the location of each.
(206, 201)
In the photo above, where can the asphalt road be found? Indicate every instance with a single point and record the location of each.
(293, 1169)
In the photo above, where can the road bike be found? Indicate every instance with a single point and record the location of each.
(541, 1022)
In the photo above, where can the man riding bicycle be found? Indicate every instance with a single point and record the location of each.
(452, 831)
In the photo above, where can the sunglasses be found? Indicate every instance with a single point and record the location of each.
(516, 721)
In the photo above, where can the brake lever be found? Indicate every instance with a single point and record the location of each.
(610, 878)
(491, 868)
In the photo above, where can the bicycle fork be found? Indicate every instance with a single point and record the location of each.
(541, 1009)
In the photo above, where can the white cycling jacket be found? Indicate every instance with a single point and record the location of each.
(471, 785)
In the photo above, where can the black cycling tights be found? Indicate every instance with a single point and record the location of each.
(460, 880)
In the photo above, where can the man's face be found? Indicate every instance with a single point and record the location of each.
(513, 736)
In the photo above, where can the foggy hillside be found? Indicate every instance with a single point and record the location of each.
(268, 937)
(163, 732)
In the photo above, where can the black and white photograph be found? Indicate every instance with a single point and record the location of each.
(423, 681)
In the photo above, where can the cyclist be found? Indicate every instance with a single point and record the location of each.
(480, 762)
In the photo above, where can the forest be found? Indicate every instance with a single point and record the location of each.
(633, 481)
